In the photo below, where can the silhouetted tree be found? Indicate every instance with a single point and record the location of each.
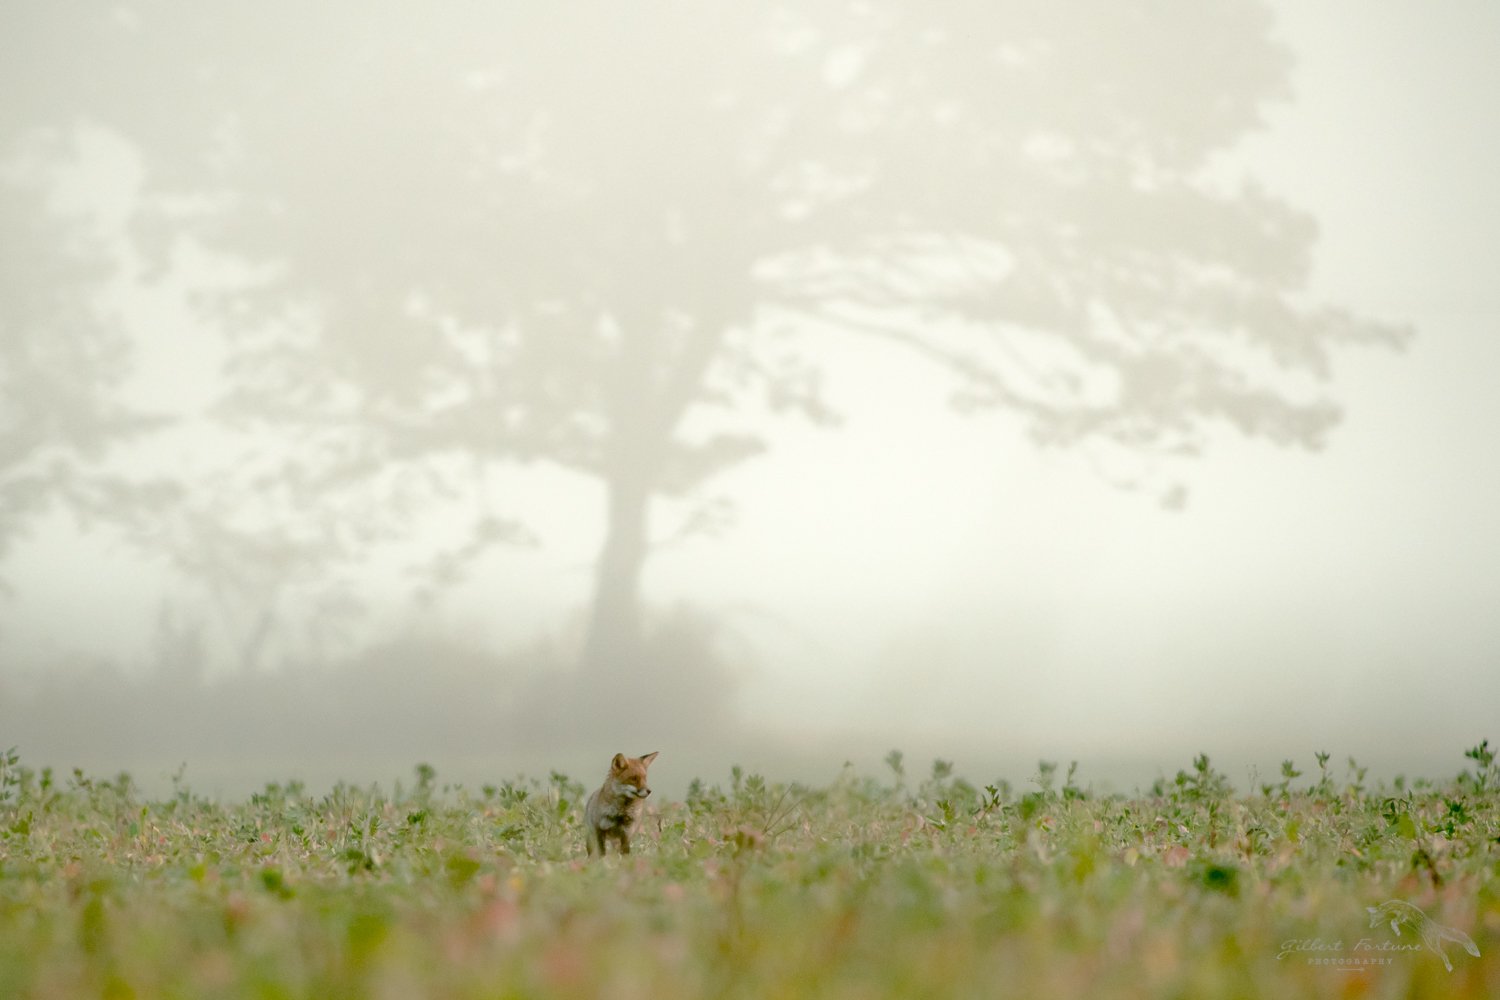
(587, 234)
(63, 359)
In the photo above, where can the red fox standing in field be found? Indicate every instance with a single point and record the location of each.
(613, 811)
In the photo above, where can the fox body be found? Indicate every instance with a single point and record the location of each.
(1401, 914)
(613, 811)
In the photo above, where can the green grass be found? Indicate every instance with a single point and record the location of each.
(865, 888)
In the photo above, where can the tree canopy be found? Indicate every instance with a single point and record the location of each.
(63, 358)
(590, 234)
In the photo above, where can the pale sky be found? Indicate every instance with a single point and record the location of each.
(917, 580)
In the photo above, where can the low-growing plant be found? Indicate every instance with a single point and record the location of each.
(860, 888)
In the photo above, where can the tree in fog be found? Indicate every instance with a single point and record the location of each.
(63, 358)
(590, 236)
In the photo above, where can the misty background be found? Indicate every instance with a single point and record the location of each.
(502, 386)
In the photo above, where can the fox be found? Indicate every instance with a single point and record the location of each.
(613, 811)
(1433, 934)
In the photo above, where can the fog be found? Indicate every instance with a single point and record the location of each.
(504, 386)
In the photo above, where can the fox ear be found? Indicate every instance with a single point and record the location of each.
(618, 763)
(648, 758)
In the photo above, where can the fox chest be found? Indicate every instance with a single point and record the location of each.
(616, 812)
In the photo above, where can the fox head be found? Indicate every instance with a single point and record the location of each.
(1396, 912)
(629, 773)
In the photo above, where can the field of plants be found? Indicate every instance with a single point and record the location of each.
(896, 885)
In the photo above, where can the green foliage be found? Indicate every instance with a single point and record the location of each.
(10, 775)
(1202, 784)
(1487, 774)
(860, 888)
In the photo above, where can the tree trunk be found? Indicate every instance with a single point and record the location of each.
(648, 394)
(613, 644)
